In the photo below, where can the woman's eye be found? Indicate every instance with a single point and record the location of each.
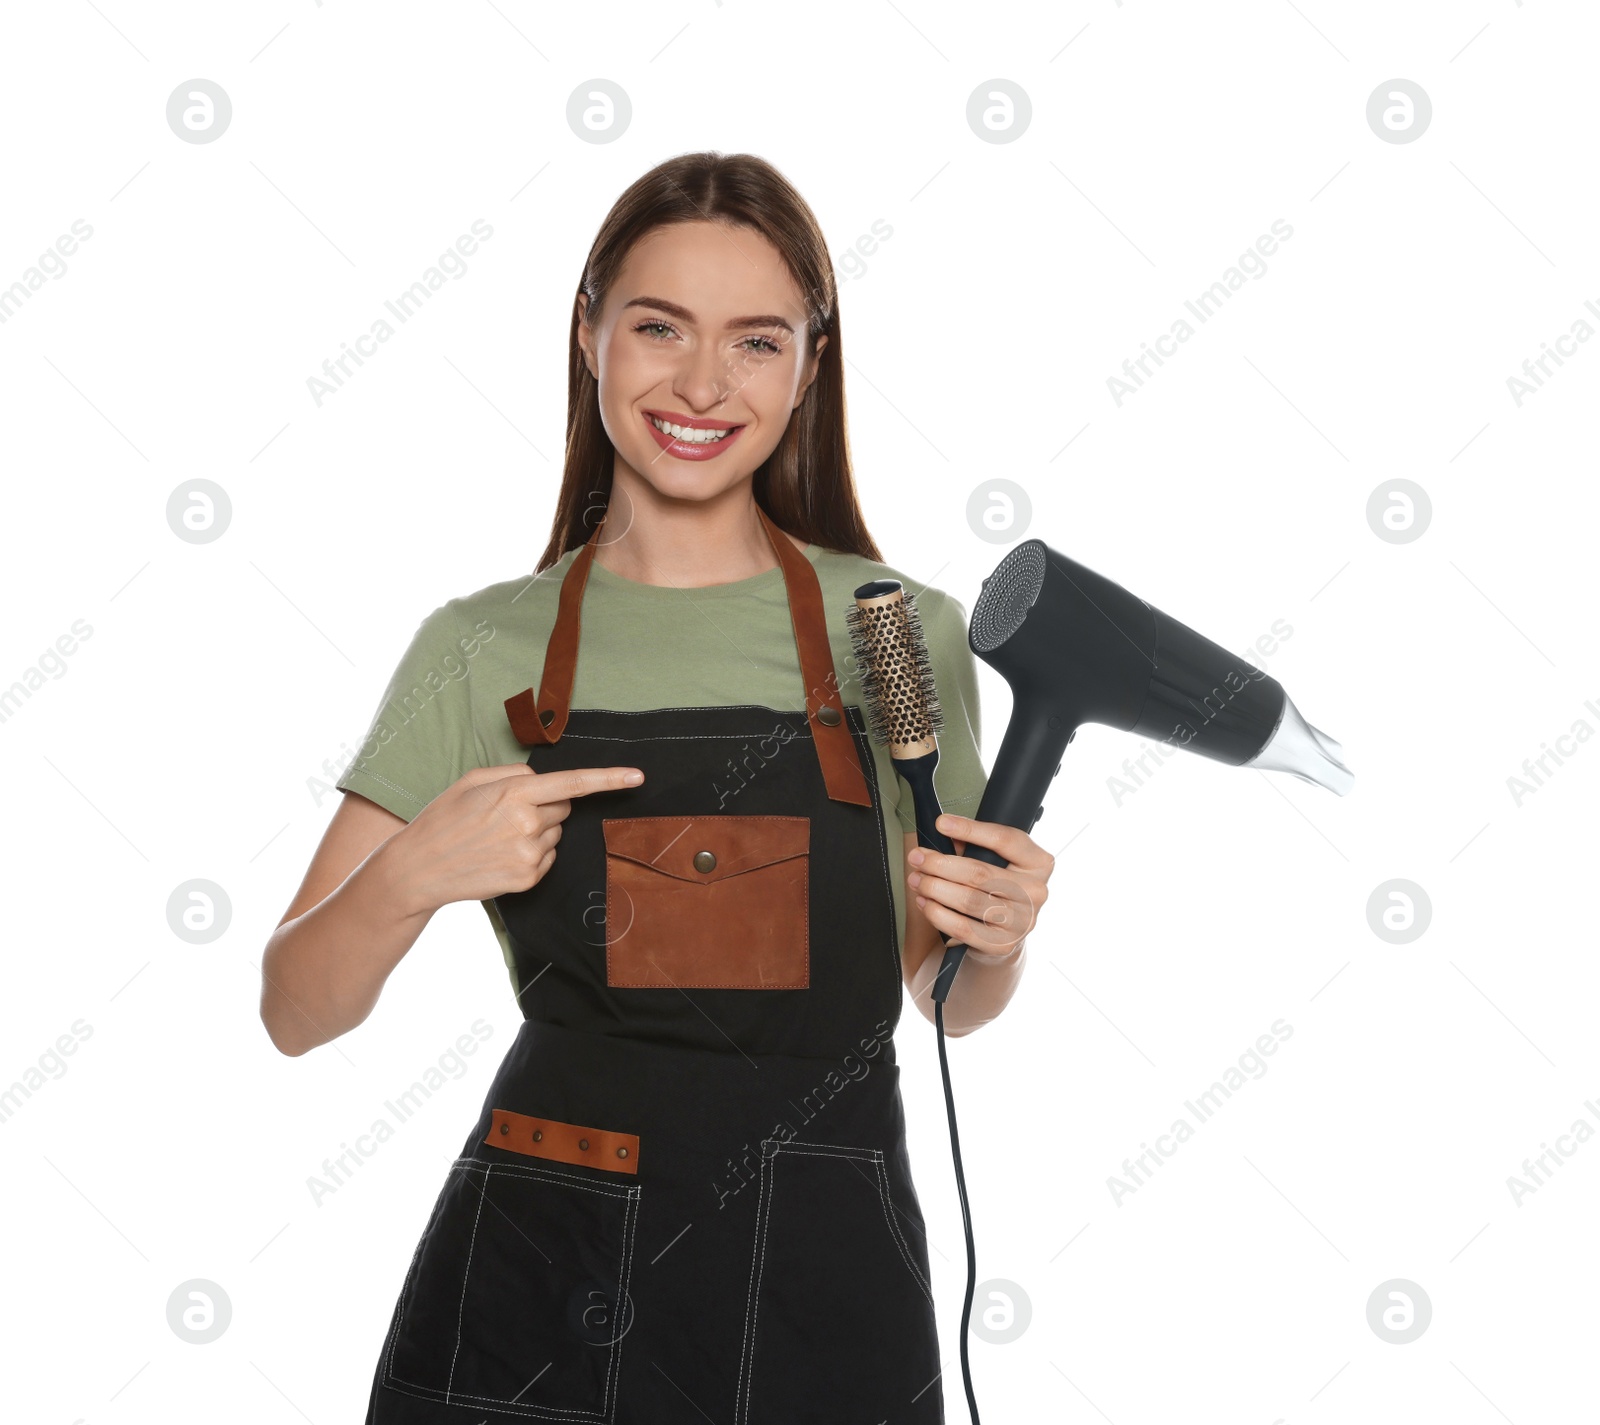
(660, 331)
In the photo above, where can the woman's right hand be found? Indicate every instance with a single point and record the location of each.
(492, 831)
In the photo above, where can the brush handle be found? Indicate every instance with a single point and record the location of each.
(928, 835)
(917, 773)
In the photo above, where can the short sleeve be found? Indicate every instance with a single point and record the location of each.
(959, 777)
(421, 738)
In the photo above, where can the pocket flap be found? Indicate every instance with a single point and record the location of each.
(670, 844)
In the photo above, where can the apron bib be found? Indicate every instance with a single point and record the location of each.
(687, 1196)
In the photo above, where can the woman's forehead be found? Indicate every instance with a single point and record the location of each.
(716, 271)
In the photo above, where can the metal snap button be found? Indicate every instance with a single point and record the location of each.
(705, 861)
(828, 715)
(505, 1127)
(547, 716)
(584, 1144)
(538, 1134)
(622, 1152)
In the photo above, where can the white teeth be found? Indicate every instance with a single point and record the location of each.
(690, 436)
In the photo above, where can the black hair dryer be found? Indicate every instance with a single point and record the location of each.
(1077, 648)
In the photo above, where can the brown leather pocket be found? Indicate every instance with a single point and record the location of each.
(708, 902)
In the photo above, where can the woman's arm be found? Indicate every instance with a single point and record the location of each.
(983, 985)
(376, 880)
(349, 925)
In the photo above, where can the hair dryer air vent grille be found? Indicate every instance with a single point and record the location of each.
(1007, 596)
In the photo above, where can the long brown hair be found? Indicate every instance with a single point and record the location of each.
(805, 485)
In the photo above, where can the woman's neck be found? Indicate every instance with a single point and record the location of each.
(686, 544)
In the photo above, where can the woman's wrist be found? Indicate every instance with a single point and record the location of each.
(996, 961)
(401, 894)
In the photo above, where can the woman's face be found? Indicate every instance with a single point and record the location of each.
(704, 329)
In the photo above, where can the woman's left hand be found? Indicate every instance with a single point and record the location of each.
(989, 909)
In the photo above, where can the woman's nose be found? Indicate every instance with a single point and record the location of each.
(704, 378)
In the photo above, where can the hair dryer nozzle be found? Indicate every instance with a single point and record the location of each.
(1299, 749)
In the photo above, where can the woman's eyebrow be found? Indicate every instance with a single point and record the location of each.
(683, 314)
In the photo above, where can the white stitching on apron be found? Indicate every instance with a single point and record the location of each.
(630, 1195)
(830, 1150)
(466, 1276)
(764, 1217)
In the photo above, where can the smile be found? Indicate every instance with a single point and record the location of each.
(702, 436)
(698, 440)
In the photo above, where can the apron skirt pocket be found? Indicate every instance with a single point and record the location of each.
(708, 902)
(839, 1318)
(516, 1300)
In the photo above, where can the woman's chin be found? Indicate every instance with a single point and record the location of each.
(673, 479)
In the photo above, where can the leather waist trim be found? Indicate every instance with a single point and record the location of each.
(563, 1142)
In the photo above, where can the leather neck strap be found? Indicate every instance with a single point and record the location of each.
(542, 721)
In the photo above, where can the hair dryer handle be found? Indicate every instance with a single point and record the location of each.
(1029, 757)
(1028, 760)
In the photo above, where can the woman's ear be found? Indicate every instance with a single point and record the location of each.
(586, 336)
(815, 365)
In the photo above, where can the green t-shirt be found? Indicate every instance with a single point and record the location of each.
(646, 646)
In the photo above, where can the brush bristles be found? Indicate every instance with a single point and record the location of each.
(898, 692)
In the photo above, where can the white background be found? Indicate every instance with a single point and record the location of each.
(1231, 491)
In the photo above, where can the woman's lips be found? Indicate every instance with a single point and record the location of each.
(685, 450)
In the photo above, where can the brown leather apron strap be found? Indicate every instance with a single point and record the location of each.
(543, 720)
(836, 748)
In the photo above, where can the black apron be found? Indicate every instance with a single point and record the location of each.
(687, 1196)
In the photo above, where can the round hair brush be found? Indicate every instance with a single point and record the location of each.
(902, 707)
(898, 692)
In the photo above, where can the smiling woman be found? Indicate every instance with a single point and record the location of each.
(731, 357)
(726, 921)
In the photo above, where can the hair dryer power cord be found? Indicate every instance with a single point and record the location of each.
(953, 956)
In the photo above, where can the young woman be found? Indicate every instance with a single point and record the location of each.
(687, 1196)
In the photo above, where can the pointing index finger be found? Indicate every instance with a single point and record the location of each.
(581, 781)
